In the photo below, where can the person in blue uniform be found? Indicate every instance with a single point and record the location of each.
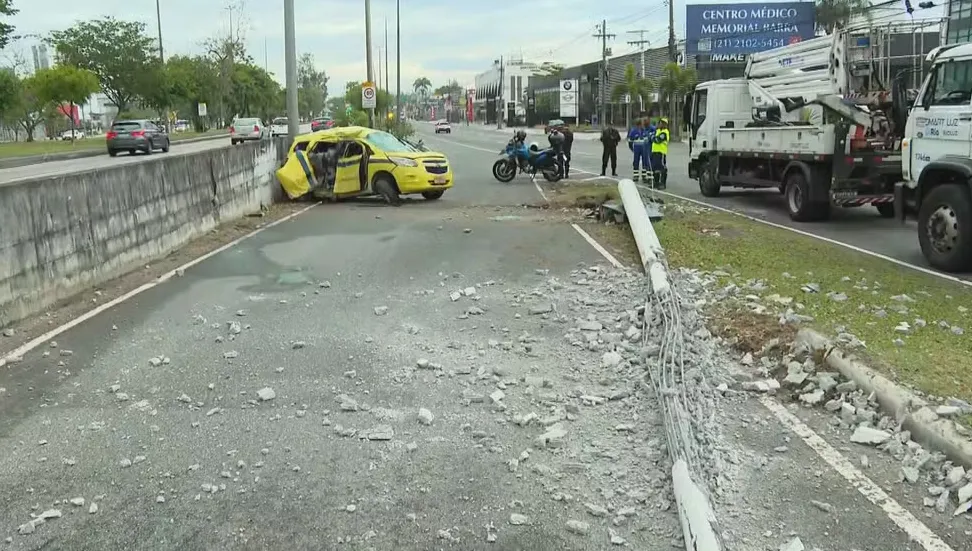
(636, 143)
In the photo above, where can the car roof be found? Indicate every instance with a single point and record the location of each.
(340, 132)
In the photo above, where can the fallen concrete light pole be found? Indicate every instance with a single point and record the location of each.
(694, 510)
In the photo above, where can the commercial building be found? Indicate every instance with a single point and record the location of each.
(958, 17)
(500, 90)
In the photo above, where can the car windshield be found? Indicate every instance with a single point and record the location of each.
(126, 126)
(389, 143)
(279, 120)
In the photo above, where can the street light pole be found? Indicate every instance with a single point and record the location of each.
(398, 59)
(158, 21)
(290, 53)
(371, 76)
(387, 70)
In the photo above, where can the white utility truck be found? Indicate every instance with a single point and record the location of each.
(826, 123)
(806, 119)
(937, 169)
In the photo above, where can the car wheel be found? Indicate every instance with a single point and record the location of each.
(112, 153)
(433, 195)
(131, 151)
(945, 228)
(165, 148)
(148, 150)
(384, 185)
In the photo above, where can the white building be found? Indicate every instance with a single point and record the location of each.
(507, 78)
(41, 59)
(99, 110)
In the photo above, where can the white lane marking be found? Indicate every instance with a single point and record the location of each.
(535, 184)
(598, 247)
(855, 248)
(915, 529)
(34, 343)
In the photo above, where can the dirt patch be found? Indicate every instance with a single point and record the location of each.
(748, 331)
(71, 308)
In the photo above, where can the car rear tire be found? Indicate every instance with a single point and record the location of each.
(432, 195)
(384, 185)
(112, 153)
(148, 150)
(165, 148)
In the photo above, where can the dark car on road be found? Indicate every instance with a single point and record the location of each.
(321, 123)
(136, 135)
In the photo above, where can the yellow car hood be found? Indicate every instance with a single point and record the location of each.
(296, 175)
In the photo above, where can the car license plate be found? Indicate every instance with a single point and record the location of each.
(439, 180)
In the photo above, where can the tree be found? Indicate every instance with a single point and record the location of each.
(451, 89)
(64, 84)
(193, 80)
(311, 86)
(28, 109)
(118, 52)
(831, 14)
(6, 8)
(9, 90)
(674, 83)
(254, 92)
(639, 89)
(549, 69)
(422, 86)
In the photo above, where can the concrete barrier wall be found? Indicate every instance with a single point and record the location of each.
(61, 235)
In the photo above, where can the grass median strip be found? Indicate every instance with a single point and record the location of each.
(49, 147)
(913, 327)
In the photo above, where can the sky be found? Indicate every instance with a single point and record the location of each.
(441, 39)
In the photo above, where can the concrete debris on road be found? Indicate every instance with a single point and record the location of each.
(266, 394)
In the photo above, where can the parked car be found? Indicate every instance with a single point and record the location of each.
(136, 135)
(181, 125)
(321, 123)
(67, 135)
(247, 130)
(279, 127)
(554, 123)
(443, 126)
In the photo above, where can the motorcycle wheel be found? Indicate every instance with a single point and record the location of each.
(504, 171)
(551, 175)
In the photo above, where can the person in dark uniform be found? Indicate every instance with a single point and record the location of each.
(568, 142)
(610, 138)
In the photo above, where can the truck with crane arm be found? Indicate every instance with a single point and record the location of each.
(819, 121)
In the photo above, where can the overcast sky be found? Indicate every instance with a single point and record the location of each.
(441, 39)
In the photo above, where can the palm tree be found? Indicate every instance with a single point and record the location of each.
(639, 90)
(422, 86)
(674, 83)
(831, 14)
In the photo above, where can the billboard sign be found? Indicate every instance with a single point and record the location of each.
(732, 29)
(568, 98)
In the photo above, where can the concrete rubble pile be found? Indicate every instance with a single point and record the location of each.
(798, 373)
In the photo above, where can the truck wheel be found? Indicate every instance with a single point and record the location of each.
(709, 184)
(798, 200)
(385, 186)
(945, 228)
(886, 210)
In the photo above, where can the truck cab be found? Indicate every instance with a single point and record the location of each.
(937, 161)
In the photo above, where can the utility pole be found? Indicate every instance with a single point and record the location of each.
(604, 36)
(642, 45)
(387, 70)
(290, 53)
(398, 60)
(371, 74)
(500, 103)
(158, 21)
(672, 57)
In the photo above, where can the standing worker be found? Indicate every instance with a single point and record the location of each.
(568, 143)
(636, 143)
(659, 154)
(610, 138)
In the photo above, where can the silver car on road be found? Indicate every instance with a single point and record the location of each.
(245, 130)
(136, 135)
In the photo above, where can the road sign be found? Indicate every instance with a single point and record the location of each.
(369, 99)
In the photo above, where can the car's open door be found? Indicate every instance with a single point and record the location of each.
(347, 179)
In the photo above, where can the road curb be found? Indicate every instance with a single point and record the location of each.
(694, 510)
(14, 162)
(913, 412)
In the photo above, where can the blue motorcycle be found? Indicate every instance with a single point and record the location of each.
(517, 157)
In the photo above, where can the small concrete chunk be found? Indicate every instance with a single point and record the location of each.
(425, 416)
(516, 519)
(266, 394)
(578, 527)
(870, 436)
(553, 438)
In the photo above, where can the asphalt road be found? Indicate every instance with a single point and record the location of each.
(70, 166)
(858, 227)
(357, 316)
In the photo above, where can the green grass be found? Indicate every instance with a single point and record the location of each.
(932, 359)
(47, 147)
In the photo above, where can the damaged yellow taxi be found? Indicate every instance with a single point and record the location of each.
(354, 161)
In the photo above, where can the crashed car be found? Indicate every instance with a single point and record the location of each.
(355, 161)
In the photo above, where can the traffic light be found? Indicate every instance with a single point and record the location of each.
(347, 110)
